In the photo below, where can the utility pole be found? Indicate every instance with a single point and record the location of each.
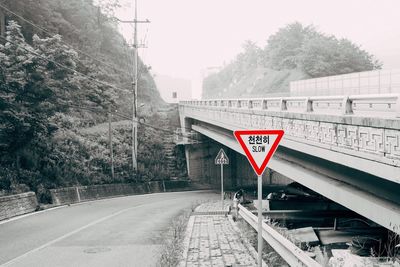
(135, 89)
(110, 142)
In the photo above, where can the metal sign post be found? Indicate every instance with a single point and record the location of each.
(260, 217)
(222, 186)
(222, 159)
(259, 146)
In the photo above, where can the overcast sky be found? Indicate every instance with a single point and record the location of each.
(186, 36)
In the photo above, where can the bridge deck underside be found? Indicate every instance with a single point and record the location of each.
(371, 145)
(372, 197)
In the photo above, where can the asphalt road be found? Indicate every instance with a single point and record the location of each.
(124, 231)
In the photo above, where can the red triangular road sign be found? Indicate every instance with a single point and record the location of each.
(259, 146)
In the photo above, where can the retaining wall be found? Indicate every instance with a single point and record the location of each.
(77, 194)
(14, 205)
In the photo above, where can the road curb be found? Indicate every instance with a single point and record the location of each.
(186, 241)
(85, 202)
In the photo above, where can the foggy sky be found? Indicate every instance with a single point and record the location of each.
(186, 36)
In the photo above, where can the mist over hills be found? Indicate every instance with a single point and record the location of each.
(64, 67)
(295, 52)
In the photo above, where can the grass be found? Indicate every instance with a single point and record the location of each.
(270, 256)
(172, 246)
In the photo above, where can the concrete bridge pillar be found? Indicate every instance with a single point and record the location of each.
(202, 169)
(201, 166)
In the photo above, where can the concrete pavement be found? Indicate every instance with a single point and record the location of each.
(214, 240)
(123, 231)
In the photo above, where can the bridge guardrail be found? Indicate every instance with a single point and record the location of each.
(386, 105)
(292, 254)
(363, 127)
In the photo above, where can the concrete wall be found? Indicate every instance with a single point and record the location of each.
(238, 173)
(246, 176)
(201, 167)
(14, 205)
(368, 82)
(78, 194)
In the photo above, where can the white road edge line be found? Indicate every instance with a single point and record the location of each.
(89, 201)
(69, 234)
(30, 214)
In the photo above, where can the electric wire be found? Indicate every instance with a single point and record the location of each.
(67, 68)
(127, 51)
(90, 78)
(130, 62)
(65, 43)
(103, 83)
(127, 117)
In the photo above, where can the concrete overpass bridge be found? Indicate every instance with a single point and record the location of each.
(347, 148)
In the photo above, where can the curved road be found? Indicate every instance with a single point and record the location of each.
(125, 231)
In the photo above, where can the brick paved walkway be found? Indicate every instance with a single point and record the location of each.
(214, 240)
(213, 206)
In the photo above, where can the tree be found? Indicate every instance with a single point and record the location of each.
(285, 46)
(293, 52)
(249, 58)
(19, 72)
(36, 86)
(325, 56)
(108, 7)
(42, 143)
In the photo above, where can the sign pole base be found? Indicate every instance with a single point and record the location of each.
(260, 239)
(222, 186)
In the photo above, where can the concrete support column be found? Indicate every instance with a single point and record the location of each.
(200, 163)
(233, 168)
(187, 148)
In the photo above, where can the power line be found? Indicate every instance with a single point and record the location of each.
(155, 127)
(85, 76)
(127, 117)
(65, 43)
(67, 68)
(103, 83)
(141, 70)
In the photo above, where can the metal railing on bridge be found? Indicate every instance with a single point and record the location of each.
(362, 127)
(387, 105)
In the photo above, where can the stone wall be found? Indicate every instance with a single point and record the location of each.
(14, 205)
(78, 194)
(176, 185)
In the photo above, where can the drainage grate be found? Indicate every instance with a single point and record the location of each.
(96, 250)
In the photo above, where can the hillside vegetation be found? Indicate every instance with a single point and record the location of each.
(63, 65)
(295, 52)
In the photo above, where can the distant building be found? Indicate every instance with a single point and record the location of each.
(173, 90)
